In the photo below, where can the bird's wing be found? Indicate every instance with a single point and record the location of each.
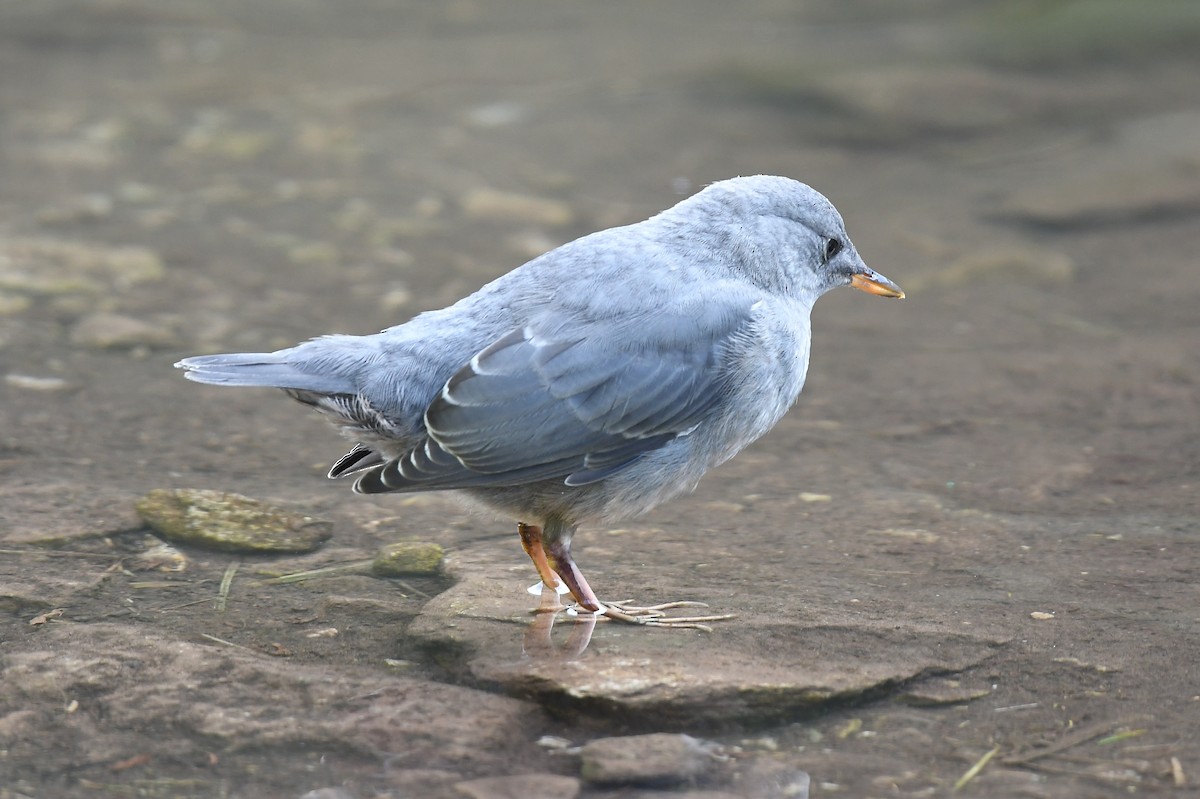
(531, 407)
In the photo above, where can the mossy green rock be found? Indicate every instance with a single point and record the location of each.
(407, 557)
(229, 522)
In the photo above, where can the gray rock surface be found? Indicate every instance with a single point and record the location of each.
(772, 662)
(53, 512)
(135, 690)
(654, 759)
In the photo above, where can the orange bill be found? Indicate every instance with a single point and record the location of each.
(874, 283)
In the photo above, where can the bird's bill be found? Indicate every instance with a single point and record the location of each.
(872, 282)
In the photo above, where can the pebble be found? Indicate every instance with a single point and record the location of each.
(408, 558)
(230, 522)
(656, 759)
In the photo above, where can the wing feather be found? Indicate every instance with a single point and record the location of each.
(532, 407)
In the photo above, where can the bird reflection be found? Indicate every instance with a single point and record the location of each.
(539, 642)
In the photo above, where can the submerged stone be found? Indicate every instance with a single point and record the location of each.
(230, 522)
(408, 558)
(655, 759)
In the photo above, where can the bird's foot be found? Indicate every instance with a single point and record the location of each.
(656, 615)
(627, 612)
(559, 573)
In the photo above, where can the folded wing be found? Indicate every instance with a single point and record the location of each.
(530, 408)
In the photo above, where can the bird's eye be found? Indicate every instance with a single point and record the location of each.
(832, 248)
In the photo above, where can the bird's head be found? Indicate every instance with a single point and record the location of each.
(784, 236)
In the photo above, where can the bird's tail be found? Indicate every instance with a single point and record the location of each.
(322, 369)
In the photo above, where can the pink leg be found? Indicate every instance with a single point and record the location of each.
(563, 564)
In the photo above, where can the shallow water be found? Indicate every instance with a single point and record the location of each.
(991, 485)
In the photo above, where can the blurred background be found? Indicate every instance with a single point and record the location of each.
(179, 177)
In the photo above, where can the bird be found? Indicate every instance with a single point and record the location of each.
(593, 382)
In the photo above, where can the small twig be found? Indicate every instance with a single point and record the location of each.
(226, 581)
(60, 553)
(226, 643)
(1177, 773)
(185, 605)
(411, 588)
(1119, 736)
(1068, 741)
(296, 577)
(974, 770)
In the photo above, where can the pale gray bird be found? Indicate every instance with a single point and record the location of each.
(593, 382)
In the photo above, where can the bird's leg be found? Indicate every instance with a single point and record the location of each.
(531, 540)
(558, 554)
(551, 556)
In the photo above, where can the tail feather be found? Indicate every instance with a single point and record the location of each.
(267, 369)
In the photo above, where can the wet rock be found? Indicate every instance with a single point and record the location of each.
(104, 331)
(138, 690)
(38, 521)
(941, 691)
(521, 786)
(490, 204)
(230, 522)
(53, 514)
(408, 558)
(1146, 169)
(657, 759)
(788, 654)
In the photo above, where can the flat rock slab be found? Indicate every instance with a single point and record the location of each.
(769, 664)
(51, 514)
(135, 690)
